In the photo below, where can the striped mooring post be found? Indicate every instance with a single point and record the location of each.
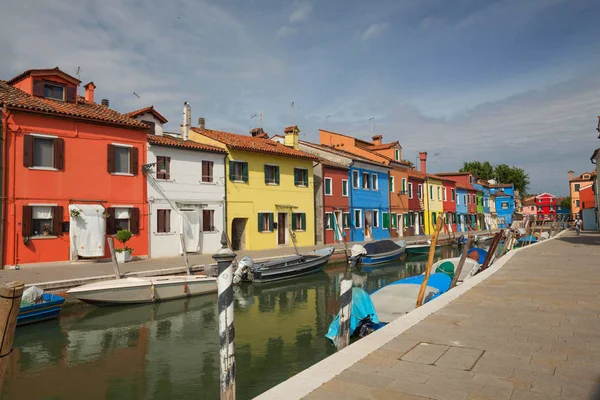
(224, 258)
(343, 339)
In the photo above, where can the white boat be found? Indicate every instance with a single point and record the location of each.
(143, 289)
(470, 267)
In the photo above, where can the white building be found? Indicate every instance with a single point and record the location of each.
(186, 190)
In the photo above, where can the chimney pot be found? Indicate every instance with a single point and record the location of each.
(423, 159)
(89, 92)
(187, 121)
(259, 132)
(377, 139)
(291, 136)
(571, 175)
(201, 123)
(105, 102)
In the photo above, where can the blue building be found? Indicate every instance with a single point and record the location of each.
(485, 219)
(462, 211)
(505, 203)
(369, 201)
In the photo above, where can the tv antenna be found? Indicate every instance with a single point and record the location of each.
(327, 118)
(136, 95)
(250, 125)
(372, 121)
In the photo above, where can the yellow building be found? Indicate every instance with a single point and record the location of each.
(269, 188)
(583, 180)
(433, 203)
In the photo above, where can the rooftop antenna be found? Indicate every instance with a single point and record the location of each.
(293, 106)
(327, 118)
(372, 121)
(250, 125)
(260, 115)
(136, 95)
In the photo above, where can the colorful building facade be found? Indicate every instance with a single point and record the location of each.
(462, 211)
(449, 203)
(575, 185)
(546, 207)
(413, 220)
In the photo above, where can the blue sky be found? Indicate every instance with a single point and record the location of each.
(506, 81)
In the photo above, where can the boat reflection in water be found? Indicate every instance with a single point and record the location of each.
(170, 350)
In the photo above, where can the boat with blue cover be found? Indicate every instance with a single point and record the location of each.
(48, 308)
(481, 254)
(378, 252)
(419, 249)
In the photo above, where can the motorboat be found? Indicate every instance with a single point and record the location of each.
(46, 307)
(378, 252)
(420, 248)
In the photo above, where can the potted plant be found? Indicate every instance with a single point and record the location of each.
(124, 253)
(47, 230)
(75, 213)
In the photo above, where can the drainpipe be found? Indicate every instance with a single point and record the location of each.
(3, 180)
(225, 199)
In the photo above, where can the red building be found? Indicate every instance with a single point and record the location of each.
(414, 218)
(586, 196)
(449, 202)
(71, 171)
(472, 206)
(546, 207)
(336, 209)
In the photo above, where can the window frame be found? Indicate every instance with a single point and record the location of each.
(304, 182)
(356, 174)
(211, 167)
(212, 227)
(128, 228)
(299, 220)
(392, 184)
(166, 174)
(420, 191)
(330, 180)
(266, 221)
(410, 190)
(445, 194)
(274, 172)
(397, 154)
(346, 220)
(327, 222)
(166, 212)
(374, 182)
(129, 155)
(367, 181)
(376, 219)
(404, 185)
(345, 185)
(234, 165)
(358, 219)
(51, 224)
(453, 194)
(55, 85)
(430, 192)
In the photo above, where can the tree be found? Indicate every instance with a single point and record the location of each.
(410, 163)
(502, 173)
(566, 203)
(482, 170)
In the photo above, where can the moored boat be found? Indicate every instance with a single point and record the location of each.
(143, 289)
(47, 308)
(282, 268)
(420, 248)
(378, 252)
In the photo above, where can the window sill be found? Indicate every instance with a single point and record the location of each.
(301, 186)
(44, 169)
(208, 183)
(43, 237)
(209, 232)
(157, 179)
(271, 184)
(121, 174)
(239, 181)
(266, 231)
(328, 195)
(164, 233)
(300, 230)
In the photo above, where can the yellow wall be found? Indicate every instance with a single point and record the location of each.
(246, 200)
(575, 196)
(432, 205)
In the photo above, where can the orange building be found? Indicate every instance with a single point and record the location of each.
(390, 154)
(71, 171)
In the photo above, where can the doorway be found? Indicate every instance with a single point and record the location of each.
(238, 233)
(191, 230)
(338, 232)
(281, 228)
(400, 224)
(368, 224)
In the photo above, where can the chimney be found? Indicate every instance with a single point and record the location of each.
(187, 121)
(201, 123)
(89, 92)
(105, 102)
(423, 159)
(291, 136)
(259, 132)
(377, 140)
(571, 175)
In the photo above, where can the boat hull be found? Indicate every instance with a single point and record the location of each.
(144, 290)
(381, 258)
(49, 309)
(424, 249)
(296, 266)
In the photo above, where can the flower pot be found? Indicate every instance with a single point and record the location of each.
(46, 233)
(123, 257)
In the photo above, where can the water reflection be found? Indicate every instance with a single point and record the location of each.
(170, 350)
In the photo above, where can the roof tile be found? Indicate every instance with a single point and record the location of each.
(184, 144)
(145, 110)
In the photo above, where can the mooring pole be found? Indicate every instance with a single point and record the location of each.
(343, 339)
(224, 258)
(185, 258)
(10, 302)
(113, 256)
(462, 260)
(434, 240)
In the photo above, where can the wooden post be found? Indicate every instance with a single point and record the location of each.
(492, 250)
(531, 232)
(185, 259)
(10, 302)
(461, 263)
(508, 241)
(438, 227)
(113, 256)
(224, 258)
(343, 338)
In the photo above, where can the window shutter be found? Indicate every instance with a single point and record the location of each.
(277, 175)
(205, 171)
(393, 220)
(110, 221)
(168, 167)
(271, 222)
(296, 176)
(27, 221)
(386, 220)
(267, 178)
(133, 161)
(231, 173)
(57, 220)
(111, 158)
(134, 220)
(167, 220)
(38, 88)
(303, 221)
(332, 221)
(160, 220)
(260, 217)
(245, 172)
(305, 177)
(28, 150)
(294, 224)
(71, 96)
(59, 153)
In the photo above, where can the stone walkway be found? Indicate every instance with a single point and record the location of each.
(529, 331)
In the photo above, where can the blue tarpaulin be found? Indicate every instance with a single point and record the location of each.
(362, 307)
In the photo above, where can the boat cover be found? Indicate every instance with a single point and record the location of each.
(380, 247)
(482, 254)
(362, 307)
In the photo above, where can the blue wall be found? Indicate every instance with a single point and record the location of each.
(369, 200)
(505, 216)
(461, 208)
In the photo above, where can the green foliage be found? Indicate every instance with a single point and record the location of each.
(502, 173)
(410, 163)
(124, 235)
(482, 170)
(566, 203)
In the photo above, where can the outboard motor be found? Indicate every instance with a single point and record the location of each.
(356, 253)
(244, 271)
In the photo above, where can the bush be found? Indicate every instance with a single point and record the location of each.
(124, 235)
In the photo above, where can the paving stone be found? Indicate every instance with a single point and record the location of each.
(400, 344)
(374, 359)
(546, 386)
(577, 391)
(350, 388)
(525, 395)
(378, 394)
(364, 378)
(425, 353)
(322, 394)
(459, 358)
(427, 390)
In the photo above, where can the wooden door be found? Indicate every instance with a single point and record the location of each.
(281, 228)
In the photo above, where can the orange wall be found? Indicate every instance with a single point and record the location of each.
(26, 84)
(84, 177)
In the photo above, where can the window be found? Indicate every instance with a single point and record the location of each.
(358, 218)
(445, 194)
(504, 205)
(328, 188)
(434, 218)
(122, 219)
(271, 174)
(328, 221)
(404, 186)
(43, 152)
(465, 199)
(397, 154)
(298, 221)
(355, 180)
(301, 177)
(452, 194)
(410, 190)
(238, 171)
(576, 203)
(366, 181)
(393, 220)
(163, 221)
(375, 219)
(54, 92)
(431, 192)
(577, 185)
(457, 199)
(385, 220)
(207, 171)
(208, 221)
(122, 159)
(346, 220)
(345, 187)
(265, 222)
(151, 125)
(551, 208)
(39, 220)
(163, 167)
(420, 191)
(470, 179)
(438, 194)
(391, 182)
(375, 182)
(539, 209)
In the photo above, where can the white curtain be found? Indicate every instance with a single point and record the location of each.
(87, 230)
(42, 212)
(190, 221)
(121, 213)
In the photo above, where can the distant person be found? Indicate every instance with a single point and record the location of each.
(578, 223)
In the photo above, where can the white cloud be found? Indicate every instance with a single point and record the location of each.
(375, 30)
(286, 31)
(301, 12)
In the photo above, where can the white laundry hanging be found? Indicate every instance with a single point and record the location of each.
(190, 221)
(88, 230)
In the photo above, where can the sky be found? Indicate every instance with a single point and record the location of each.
(507, 81)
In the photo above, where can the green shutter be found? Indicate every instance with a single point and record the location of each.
(306, 178)
(431, 192)
(303, 221)
(260, 216)
(327, 186)
(394, 217)
(386, 220)
(270, 222)
(403, 185)
(406, 223)
(231, 174)
(296, 176)
(277, 175)
(294, 225)
(434, 218)
(245, 172)
(332, 220)
(267, 178)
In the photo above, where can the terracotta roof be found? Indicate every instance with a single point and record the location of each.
(184, 144)
(331, 164)
(452, 173)
(351, 155)
(384, 146)
(581, 179)
(249, 143)
(413, 173)
(12, 97)
(406, 163)
(433, 176)
(501, 193)
(145, 110)
(45, 71)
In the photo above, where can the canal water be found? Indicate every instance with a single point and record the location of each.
(170, 350)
